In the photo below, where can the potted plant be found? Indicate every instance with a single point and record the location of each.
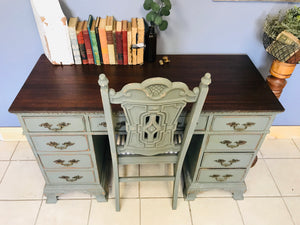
(281, 40)
(158, 9)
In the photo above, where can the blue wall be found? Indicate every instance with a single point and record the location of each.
(194, 27)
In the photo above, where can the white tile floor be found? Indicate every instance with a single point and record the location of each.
(272, 198)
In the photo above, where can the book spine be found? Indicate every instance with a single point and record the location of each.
(81, 46)
(99, 45)
(95, 48)
(111, 48)
(119, 44)
(74, 44)
(125, 48)
(129, 50)
(140, 40)
(103, 43)
(88, 47)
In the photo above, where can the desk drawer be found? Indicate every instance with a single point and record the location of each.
(60, 143)
(66, 161)
(226, 160)
(240, 123)
(233, 142)
(54, 124)
(98, 123)
(71, 177)
(220, 175)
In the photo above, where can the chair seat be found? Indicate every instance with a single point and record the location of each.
(121, 140)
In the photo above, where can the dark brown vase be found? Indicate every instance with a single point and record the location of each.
(150, 51)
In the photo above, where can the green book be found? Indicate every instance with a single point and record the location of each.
(92, 33)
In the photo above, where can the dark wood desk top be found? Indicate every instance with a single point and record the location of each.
(236, 84)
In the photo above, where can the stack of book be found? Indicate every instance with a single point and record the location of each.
(107, 41)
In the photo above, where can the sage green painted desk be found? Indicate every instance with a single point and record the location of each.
(60, 110)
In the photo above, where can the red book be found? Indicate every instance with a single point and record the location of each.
(81, 44)
(124, 39)
(119, 42)
(87, 42)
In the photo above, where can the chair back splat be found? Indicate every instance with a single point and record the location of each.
(151, 110)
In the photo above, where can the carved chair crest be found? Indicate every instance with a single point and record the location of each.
(152, 109)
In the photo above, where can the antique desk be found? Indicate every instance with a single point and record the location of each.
(60, 110)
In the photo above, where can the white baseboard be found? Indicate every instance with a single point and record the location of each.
(16, 133)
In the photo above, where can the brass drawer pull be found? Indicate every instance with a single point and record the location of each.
(230, 145)
(240, 127)
(56, 145)
(62, 162)
(68, 179)
(103, 124)
(223, 162)
(119, 125)
(221, 179)
(60, 126)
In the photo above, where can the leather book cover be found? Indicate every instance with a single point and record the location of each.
(92, 33)
(124, 40)
(140, 40)
(119, 42)
(81, 44)
(87, 42)
(133, 39)
(109, 27)
(103, 40)
(97, 24)
(129, 50)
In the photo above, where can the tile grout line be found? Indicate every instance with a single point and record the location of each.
(272, 177)
(89, 214)
(38, 213)
(286, 206)
(295, 144)
(14, 150)
(190, 212)
(9, 162)
(281, 195)
(240, 211)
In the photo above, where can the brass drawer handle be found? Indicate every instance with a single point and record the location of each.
(240, 127)
(60, 126)
(62, 162)
(68, 179)
(56, 145)
(117, 127)
(221, 179)
(103, 124)
(223, 162)
(230, 145)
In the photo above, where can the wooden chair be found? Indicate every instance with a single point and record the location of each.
(151, 109)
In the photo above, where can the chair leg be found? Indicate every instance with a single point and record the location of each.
(175, 191)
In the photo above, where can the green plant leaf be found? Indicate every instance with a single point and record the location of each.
(151, 16)
(167, 4)
(155, 7)
(147, 4)
(164, 12)
(158, 20)
(163, 25)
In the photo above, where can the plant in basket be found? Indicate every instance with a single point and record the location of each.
(281, 40)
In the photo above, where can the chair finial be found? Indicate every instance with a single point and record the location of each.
(103, 81)
(206, 80)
